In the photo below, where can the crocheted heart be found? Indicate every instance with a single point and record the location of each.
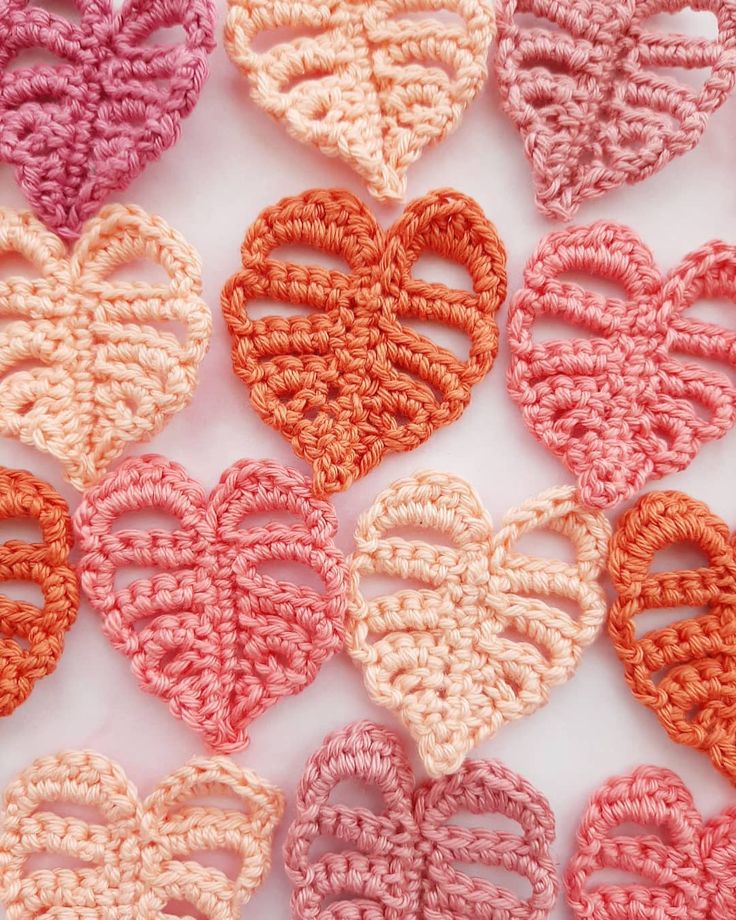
(140, 856)
(631, 402)
(367, 82)
(486, 635)
(682, 867)
(602, 95)
(211, 633)
(409, 862)
(87, 364)
(353, 381)
(79, 129)
(684, 672)
(32, 639)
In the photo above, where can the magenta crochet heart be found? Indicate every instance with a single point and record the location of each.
(213, 632)
(86, 126)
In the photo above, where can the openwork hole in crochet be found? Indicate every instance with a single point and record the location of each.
(409, 859)
(470, 633)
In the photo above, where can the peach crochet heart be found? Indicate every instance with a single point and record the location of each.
(354, 381)
(140, 858)
(623, 398)
(112, 101)
(211, 632)
(364, 80)
(676, 866)
(87, 363)
(479, 633)
(684, 672)
(603, 94)
(32, 639)
(410, 862)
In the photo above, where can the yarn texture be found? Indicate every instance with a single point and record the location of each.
(80, 128)
(684, 672)
(45, 563)
(404, 863)
(364, 80)
(632, 387)
(87, 363)
(683, 868)
(477, 636)
(140, 857)
(603, 94)
(354, 381)
(211, 632)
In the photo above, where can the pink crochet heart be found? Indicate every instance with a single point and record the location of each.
(630, 403)
(601, 94)
(88, 125)
(217, 638)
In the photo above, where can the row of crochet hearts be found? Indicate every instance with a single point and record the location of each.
(457, 629)
(601, 93)
(410, 858)
(628, 390)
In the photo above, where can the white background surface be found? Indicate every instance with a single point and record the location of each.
(232, 161)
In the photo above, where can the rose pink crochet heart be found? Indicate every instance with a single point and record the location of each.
(602, 95)
(87, 125)
(631, 402)
(210, 632)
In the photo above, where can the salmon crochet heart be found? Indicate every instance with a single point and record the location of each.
(410, 862)
(139, 858)
(677, 866)
(32, 639)
(630, 401)
(87, 125)
(364, 80)
(603, 94)
(354, 381)
(478, 634)
(211, 632)
(685, 672)
(88, 363)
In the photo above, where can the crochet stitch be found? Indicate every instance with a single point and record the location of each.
(367, 82)
(87, 363)
(482, 638)
(210, 632)
(684, 868)
(32, 639)
(353, 381)
(140, 856)
(684, 672)
(87, 125)
(630, 402)
(404, 863)
(602, 95)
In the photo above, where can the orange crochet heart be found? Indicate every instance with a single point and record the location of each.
(353, 381)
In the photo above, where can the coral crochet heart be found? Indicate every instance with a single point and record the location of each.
(354, 380)
(676, 866)
(410, 861)
(32, 638)
(212, 632)
(138, 858)
(87, 124)
(90, 363)
(620, 394)
(603, 95)
(478, 633)
(365, 80)
(686, 671)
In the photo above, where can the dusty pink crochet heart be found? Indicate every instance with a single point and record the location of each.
(210, 632)
(631, 402)
(87, 125)
(602, 95)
